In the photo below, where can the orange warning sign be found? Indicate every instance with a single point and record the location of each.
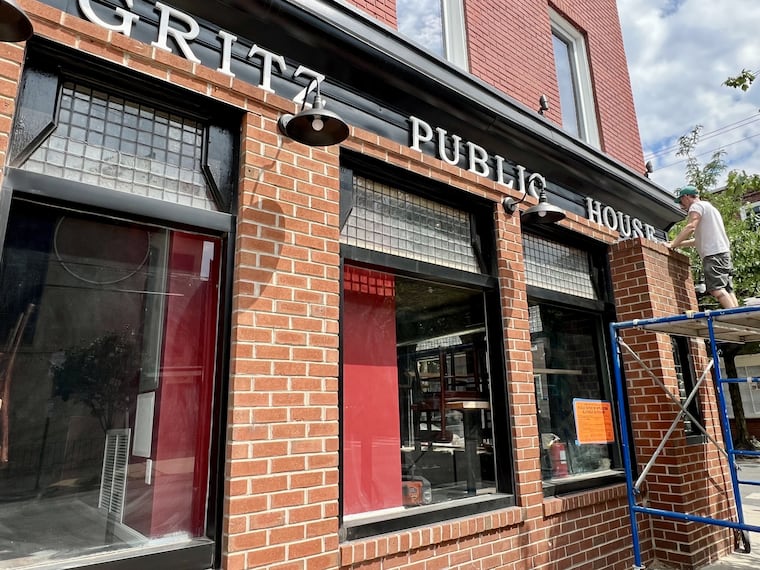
(593, 421)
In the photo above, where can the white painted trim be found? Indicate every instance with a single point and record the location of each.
(454, 32)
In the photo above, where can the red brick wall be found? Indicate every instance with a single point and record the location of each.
(281, 475)
(383, 10)
(650, 281)
(510, 47)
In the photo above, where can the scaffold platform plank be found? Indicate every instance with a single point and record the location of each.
(734, 327)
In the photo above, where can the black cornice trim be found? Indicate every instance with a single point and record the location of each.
(349, 36)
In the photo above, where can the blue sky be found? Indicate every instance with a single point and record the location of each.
(679, 53)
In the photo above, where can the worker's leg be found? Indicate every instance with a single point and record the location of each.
(727, 300)
(718, 272)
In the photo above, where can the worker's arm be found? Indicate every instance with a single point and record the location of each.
(683, 237)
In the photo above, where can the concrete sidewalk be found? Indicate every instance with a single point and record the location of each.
(740, 560)
(749, 471)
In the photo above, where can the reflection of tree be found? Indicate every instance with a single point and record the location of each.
(100, 375)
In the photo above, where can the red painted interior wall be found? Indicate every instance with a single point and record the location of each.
(371, 440)
(175, 500)
(186, 388)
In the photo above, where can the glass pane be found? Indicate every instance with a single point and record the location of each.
(399, 223)
(558, 267)
(108, 331)
(685, 376)
(566, 80)
(566, 365)
(105, 128)
(416, 394)
(422, 22)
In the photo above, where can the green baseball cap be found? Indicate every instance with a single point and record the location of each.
(686, 191)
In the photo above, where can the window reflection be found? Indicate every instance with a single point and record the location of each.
(108, 331)
(566, 80)
(566, 366)
(422, 21)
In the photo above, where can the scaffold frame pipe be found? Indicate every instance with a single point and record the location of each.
(738, 325)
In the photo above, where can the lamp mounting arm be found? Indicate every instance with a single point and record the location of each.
(510, 204)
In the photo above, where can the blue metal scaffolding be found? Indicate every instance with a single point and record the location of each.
(738, 325)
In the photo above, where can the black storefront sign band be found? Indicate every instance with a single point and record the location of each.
(160, 24)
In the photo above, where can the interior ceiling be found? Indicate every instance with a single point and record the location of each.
(415, 295)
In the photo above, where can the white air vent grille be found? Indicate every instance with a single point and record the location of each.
(113, 482)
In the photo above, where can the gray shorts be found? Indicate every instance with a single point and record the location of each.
(718, 271)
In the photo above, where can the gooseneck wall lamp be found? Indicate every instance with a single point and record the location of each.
(315, 126)
(15, 25)
(541, 213)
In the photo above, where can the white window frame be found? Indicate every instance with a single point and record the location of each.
(454, 34)
(749, 209)
(585, 108)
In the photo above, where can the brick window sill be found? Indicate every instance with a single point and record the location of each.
(369, 549)
(556, 505)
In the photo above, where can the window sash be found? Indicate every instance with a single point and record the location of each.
(569, 367)
(71, 269)
(574, 80)
(557, 267)
(108, 141)
(415, 378)
(389, 220)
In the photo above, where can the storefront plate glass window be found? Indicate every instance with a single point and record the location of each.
(108, 332)
(417, 429)
(574, 412)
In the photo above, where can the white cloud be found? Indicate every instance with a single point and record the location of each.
(679, 54)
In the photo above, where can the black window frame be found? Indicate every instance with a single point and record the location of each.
(684, 364)
(55, 63)
(482, 219)
(603, 309)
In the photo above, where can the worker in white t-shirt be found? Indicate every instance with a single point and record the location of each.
(706, 224)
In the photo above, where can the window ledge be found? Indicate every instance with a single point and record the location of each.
(556, 505)
(364, 550)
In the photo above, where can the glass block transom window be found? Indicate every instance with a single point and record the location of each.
(558, 267)
(391, 221)
(114, 143)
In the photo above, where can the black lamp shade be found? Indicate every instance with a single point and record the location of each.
(315, 127)
(542, 213)
(15, 25)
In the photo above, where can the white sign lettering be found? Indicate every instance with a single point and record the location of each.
(449, 149)
(183, 29)
(127, 18)
(610, 218)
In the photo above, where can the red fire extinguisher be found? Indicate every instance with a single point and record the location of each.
(559, 459)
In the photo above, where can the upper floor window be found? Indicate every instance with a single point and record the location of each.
(436, 24)
(574, 80)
